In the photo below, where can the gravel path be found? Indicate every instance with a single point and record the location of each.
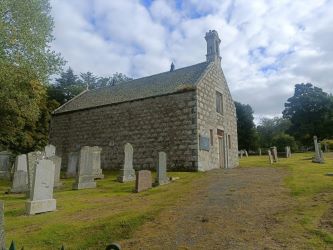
(229, 209)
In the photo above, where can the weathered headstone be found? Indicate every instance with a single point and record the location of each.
(127, 172)
(96, 161)
(21, 163)
(143, 180)
(5, 165)
(57, 169)
(317, 158)
(2, 226)
(72, 165)
(85, 178)
(274, 153)
(49, 150)
(259, 151)
(286, 148)
(246, 154)
(240, 154)
(270, 157)
(326, 150)
(161, 172)
(33, 158)
(20, 182)
(321, 154)
(41, 197)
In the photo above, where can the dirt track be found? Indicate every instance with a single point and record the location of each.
(230, 209)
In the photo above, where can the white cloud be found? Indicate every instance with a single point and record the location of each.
(267, 46)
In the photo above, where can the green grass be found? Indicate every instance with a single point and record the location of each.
(312, 191)
(91, 218)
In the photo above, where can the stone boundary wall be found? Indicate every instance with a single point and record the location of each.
(209, 119)
(164, 123)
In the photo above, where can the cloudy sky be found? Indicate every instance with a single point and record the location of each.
(267, 46)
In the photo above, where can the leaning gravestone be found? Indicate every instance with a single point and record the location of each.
(2, 226)
(143, 180)
(73, 160)
(85, 178)
(318, 158)
(33, 158)
(57, 168)
(96, 161)
(161, 172)
(5, 165)
(127, 172)
(41, 197)
(270, 156)
(246, 154)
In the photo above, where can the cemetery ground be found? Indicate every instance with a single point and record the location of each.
(258, 206)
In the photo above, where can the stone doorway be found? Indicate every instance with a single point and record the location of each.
(220, 134)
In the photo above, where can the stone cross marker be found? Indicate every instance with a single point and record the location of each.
(127, 172)
(5, 165)
(57, 168)
(33, 158)
(50, 151)
(2, 226)
(96, 161)
(41, 197)
(73, 160)
(85, 177)
(161, 172)
(143, 180)
(318, 155)
(270, 156)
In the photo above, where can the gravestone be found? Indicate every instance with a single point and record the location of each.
(286, 151)
(274, 154)
(246, 154)
(270, 157)
(49, 150)
(85, 178)
(2, 226)
(73, 160)
(32, 158)
(21, 163)
(5, 165)
(241, 154)
(143, 181)
(96, 161)
(41, 197)
(57, 169)
(259, 151)
(317, 158)
(321, 154)
(326, 148)
(20, 182)
(161, 170)
(127, 172)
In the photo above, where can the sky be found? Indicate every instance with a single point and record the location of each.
(267, 46)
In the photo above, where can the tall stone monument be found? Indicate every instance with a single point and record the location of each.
(33, 158)
(41, 197)
(127, 172)
(5, 165)
(96, 161)
(318, 155)
(161, 171)
(2, 226)
(85, 177)
(72, 165)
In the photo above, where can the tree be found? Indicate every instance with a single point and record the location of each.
(26, 62)
(89, 80)
(310, 111)
(247, 136)
(268, 128)
(282, 140)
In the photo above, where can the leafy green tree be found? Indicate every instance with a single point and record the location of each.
(246, 130)
(282, 140)
(268, 128)
(310, 111)
(90, 80)
(26, 62)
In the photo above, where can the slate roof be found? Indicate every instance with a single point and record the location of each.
(155, 85)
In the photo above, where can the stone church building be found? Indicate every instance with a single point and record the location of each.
(188, 113)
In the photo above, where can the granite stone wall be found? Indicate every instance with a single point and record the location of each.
(209, 119)
(165, 123)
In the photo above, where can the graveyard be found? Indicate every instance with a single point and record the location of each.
(112, 212)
